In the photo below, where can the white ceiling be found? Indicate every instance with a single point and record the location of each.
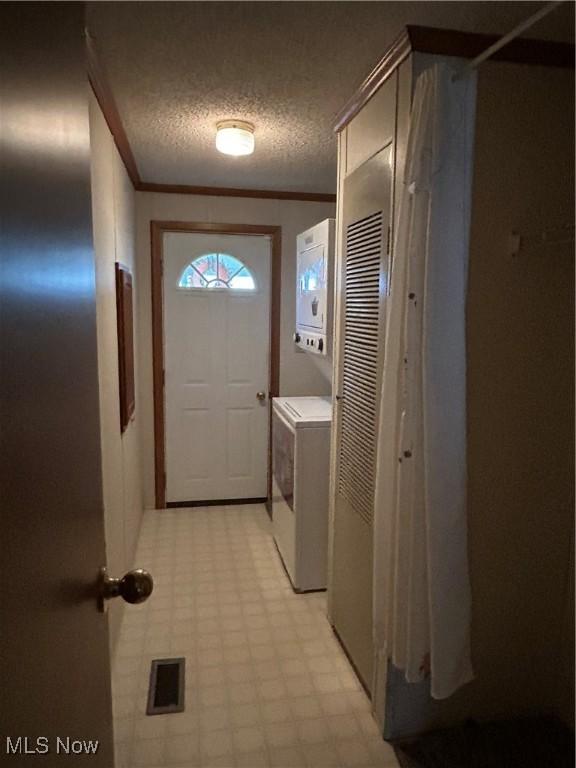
(176, 68)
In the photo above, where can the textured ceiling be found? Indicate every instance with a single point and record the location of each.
(288, 67)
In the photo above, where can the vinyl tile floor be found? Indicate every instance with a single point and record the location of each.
(267, 683)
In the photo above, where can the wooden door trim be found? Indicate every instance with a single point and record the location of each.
(157, 230)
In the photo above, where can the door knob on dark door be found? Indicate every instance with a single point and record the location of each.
(134, 587)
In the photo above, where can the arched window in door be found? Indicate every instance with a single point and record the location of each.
(217, 270)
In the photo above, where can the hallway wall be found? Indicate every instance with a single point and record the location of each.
(114, 240)
(300, 373)
(520, 336)
(520, 412)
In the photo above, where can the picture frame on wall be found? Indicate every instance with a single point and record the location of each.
(125, 320)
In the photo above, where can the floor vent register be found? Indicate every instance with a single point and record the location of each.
(167, 685)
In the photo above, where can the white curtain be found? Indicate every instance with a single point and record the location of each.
(421, 584)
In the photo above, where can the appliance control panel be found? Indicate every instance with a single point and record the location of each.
(311, 342)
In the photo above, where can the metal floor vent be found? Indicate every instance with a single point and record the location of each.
(166, 690)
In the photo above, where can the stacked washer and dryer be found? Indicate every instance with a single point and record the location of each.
(301, 426)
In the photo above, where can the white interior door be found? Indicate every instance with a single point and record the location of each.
(216, 356)
(55, 694)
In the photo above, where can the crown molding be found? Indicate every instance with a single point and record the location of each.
(450, 42)
(105, 98)
(265, 194)
(392, 58)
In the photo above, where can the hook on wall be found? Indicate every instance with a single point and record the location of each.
(554, 236)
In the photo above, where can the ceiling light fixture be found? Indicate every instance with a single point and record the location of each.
(235, 137)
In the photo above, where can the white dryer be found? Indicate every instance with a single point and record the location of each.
(301, 468)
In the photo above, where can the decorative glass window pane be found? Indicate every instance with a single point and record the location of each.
(217, 270)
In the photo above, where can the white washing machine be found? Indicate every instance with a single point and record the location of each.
(300, 477)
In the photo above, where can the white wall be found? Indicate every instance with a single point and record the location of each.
(114, 239)
(300, 373)
(520, 349)
(520, 389)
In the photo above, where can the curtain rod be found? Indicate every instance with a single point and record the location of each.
(524, 25)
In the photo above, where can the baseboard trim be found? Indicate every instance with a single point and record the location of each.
(214, 503)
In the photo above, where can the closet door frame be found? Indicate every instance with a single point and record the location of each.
(359, 144)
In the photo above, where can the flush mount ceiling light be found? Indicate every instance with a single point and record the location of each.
(235, 137)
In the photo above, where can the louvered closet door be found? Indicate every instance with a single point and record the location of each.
(360, 368)
(365, 275)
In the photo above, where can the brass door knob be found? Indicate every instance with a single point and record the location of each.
(134, 587)
(261, 396)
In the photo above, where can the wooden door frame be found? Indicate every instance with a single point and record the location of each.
(157, 230)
